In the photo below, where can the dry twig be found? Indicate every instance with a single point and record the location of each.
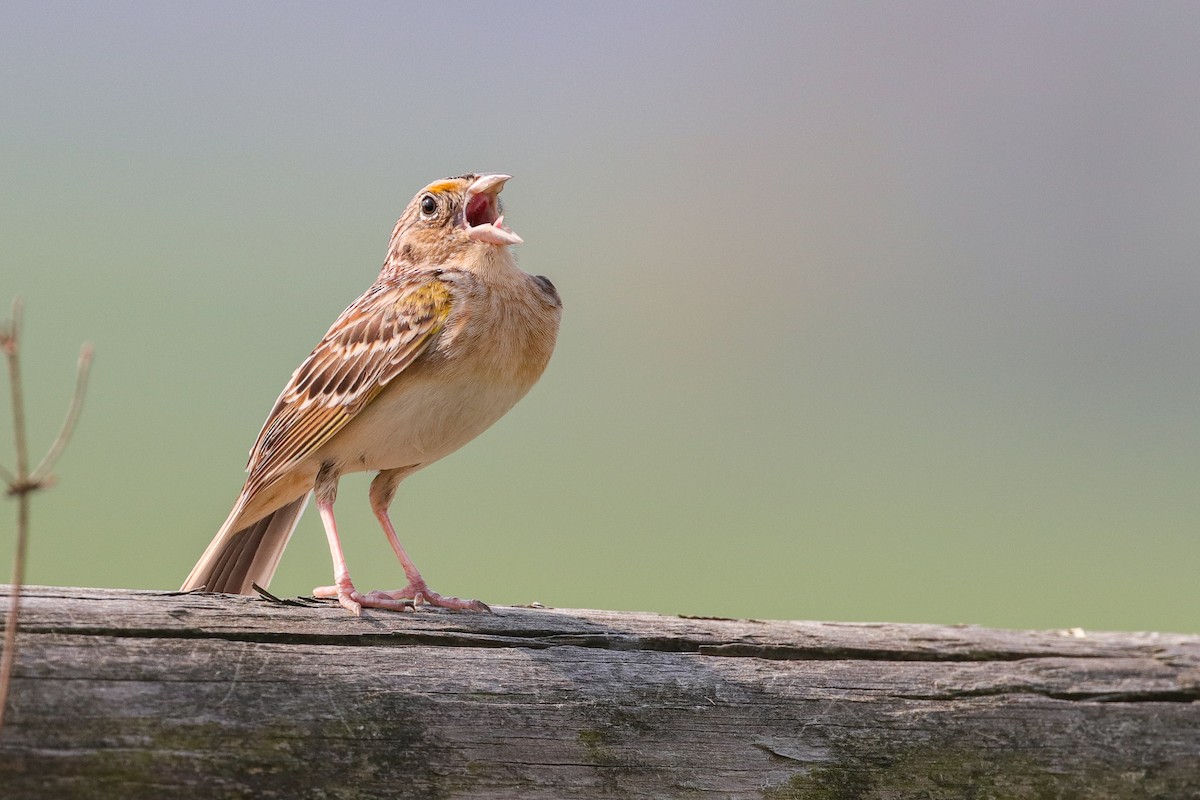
(22, 483)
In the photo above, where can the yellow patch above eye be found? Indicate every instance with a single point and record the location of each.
(442, 186)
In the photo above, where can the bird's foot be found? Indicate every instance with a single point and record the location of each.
(355, 601)
(419, 593)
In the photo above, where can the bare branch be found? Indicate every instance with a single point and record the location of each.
(42, 473)
(22, 484)
(10, 342)
(9, 333)
(8, 657)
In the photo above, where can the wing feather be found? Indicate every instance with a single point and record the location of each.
(372, 342)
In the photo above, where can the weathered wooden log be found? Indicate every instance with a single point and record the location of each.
(137, 694)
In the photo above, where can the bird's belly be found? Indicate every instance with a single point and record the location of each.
(417, 420)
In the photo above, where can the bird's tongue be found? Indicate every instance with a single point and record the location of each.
(493, 233)
(485, 223)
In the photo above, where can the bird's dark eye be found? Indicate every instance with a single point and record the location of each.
(428, 205)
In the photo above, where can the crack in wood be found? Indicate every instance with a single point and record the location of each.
(1182, 695)
(543, 640)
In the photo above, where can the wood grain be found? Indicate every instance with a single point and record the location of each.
(137, 694)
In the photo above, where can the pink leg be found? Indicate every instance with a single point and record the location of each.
(343, 589)
(383, 489)
(417, 590)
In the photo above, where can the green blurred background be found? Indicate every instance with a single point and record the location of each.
(873, 311)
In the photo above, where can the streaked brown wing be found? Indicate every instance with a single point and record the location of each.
(371, 343)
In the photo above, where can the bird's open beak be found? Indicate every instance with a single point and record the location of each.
(484, 221)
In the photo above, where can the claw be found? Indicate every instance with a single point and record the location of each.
(421, 594)
(355, 601)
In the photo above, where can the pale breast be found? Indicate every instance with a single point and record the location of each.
(486, 360)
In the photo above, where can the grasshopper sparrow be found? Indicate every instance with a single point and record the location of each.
(449, 337)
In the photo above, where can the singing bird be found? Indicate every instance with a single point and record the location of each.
(449, 337)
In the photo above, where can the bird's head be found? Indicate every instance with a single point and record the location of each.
(451, 216)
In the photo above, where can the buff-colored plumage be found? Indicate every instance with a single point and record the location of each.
(450, 336)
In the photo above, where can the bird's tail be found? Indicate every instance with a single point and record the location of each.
(237, 558)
